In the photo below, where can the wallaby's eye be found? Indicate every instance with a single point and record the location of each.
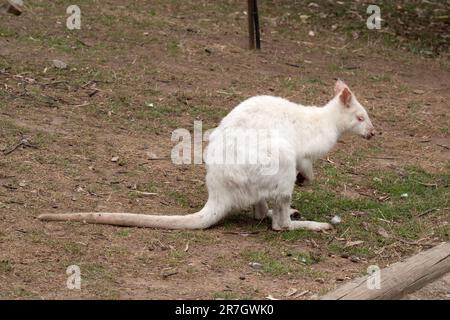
(360, 118)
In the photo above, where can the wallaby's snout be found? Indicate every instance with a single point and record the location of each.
(370, 133)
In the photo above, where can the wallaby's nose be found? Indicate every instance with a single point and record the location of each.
(371, 133)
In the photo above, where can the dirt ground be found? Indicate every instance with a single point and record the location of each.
(97, 134)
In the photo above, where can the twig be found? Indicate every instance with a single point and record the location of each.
(244, 233)
(443, 146)
(428, 211)
(416, 243)
(146, 193)
(382, 158)
(22, 143)
(54, 82)
(292, 65)
(166, 275)
(427, 184)
(84, 104)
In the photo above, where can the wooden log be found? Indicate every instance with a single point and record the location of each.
(12, 7)
(398, 279)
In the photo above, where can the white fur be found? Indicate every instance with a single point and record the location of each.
(304, 135)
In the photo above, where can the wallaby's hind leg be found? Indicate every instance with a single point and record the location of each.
(281, 219)
(261, 210)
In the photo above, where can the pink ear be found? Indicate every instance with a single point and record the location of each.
(345, 96)
(339, 86)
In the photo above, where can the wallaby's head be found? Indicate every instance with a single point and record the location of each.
(352, 115)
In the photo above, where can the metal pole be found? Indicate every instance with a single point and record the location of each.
(251, 24)
(256, 22)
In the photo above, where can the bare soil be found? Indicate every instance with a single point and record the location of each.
(136, 71)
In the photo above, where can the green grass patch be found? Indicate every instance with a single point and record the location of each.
(297, 263)
(5, 266)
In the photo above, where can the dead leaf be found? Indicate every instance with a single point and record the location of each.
(59, 64)
(353, 243)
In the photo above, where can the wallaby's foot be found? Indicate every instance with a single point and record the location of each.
(310, 225)
(281, 219)
(306, 225)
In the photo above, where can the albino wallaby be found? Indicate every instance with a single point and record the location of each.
(304, 134)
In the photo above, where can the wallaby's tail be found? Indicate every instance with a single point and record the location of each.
(202, 219)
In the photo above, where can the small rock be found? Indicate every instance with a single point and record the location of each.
(304, 18)
(354, 259)
(151, 155)
(255, 265)
(382, 232)
(59, 64)
(336, 220)
(311, 33)
(22, 183)
(418, 91)
(404, 195)
(115, 159)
